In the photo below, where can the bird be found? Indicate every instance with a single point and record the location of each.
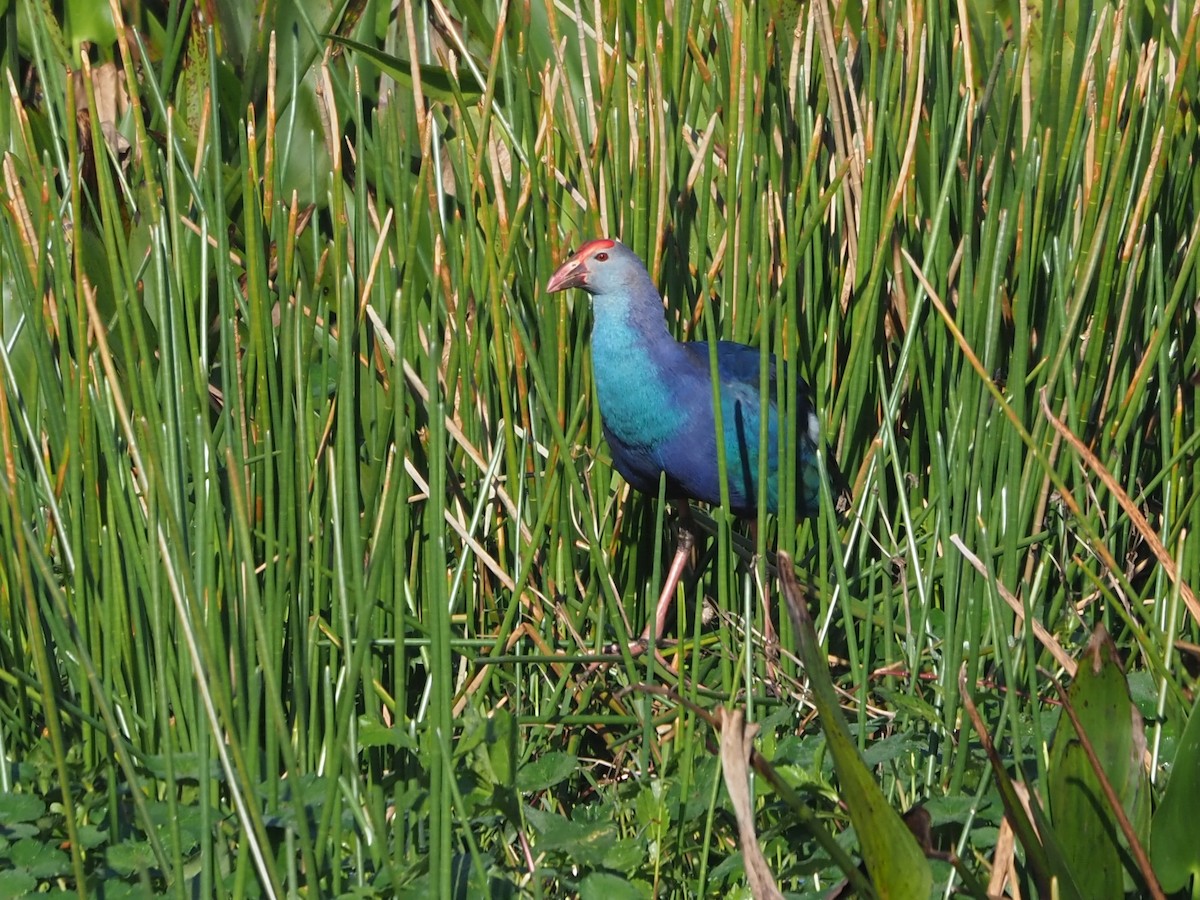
(656, 404)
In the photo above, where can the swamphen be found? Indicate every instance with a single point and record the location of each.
(656, 401)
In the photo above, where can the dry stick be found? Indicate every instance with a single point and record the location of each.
(462, 529)
(1003, 859)
(1127, 504)
(1045, 637)
(1021, 820)
(1114, 803)
(422, 392)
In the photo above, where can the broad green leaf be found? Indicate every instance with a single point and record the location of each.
(586, 843)
(373, 733)
(436, 82)
(1087, 831)
(130, 856)
(1174, 849)
(546, 770)
(39, 859)
(16, 883)
(89, 22)
(607, 886)
(20, 808)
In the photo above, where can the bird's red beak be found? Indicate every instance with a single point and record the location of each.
(571, 274)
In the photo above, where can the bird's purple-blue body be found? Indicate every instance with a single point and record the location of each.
(656, 398)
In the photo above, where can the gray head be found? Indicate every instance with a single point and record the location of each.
(602, 266)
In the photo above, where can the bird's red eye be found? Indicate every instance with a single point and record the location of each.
(601, 257)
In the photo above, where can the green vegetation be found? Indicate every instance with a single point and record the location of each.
(309, 535)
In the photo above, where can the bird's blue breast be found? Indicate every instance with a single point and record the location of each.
(641, 409)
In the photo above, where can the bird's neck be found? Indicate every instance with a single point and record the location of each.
(633, 355)
(627, 330)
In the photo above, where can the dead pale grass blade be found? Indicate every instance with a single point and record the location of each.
(736, 746)
(1157, 547)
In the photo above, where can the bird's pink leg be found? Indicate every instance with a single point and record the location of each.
(683, 550)
(770, 638)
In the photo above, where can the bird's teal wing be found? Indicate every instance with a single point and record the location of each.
(739, 367)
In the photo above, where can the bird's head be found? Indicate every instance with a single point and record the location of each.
(600, 266)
